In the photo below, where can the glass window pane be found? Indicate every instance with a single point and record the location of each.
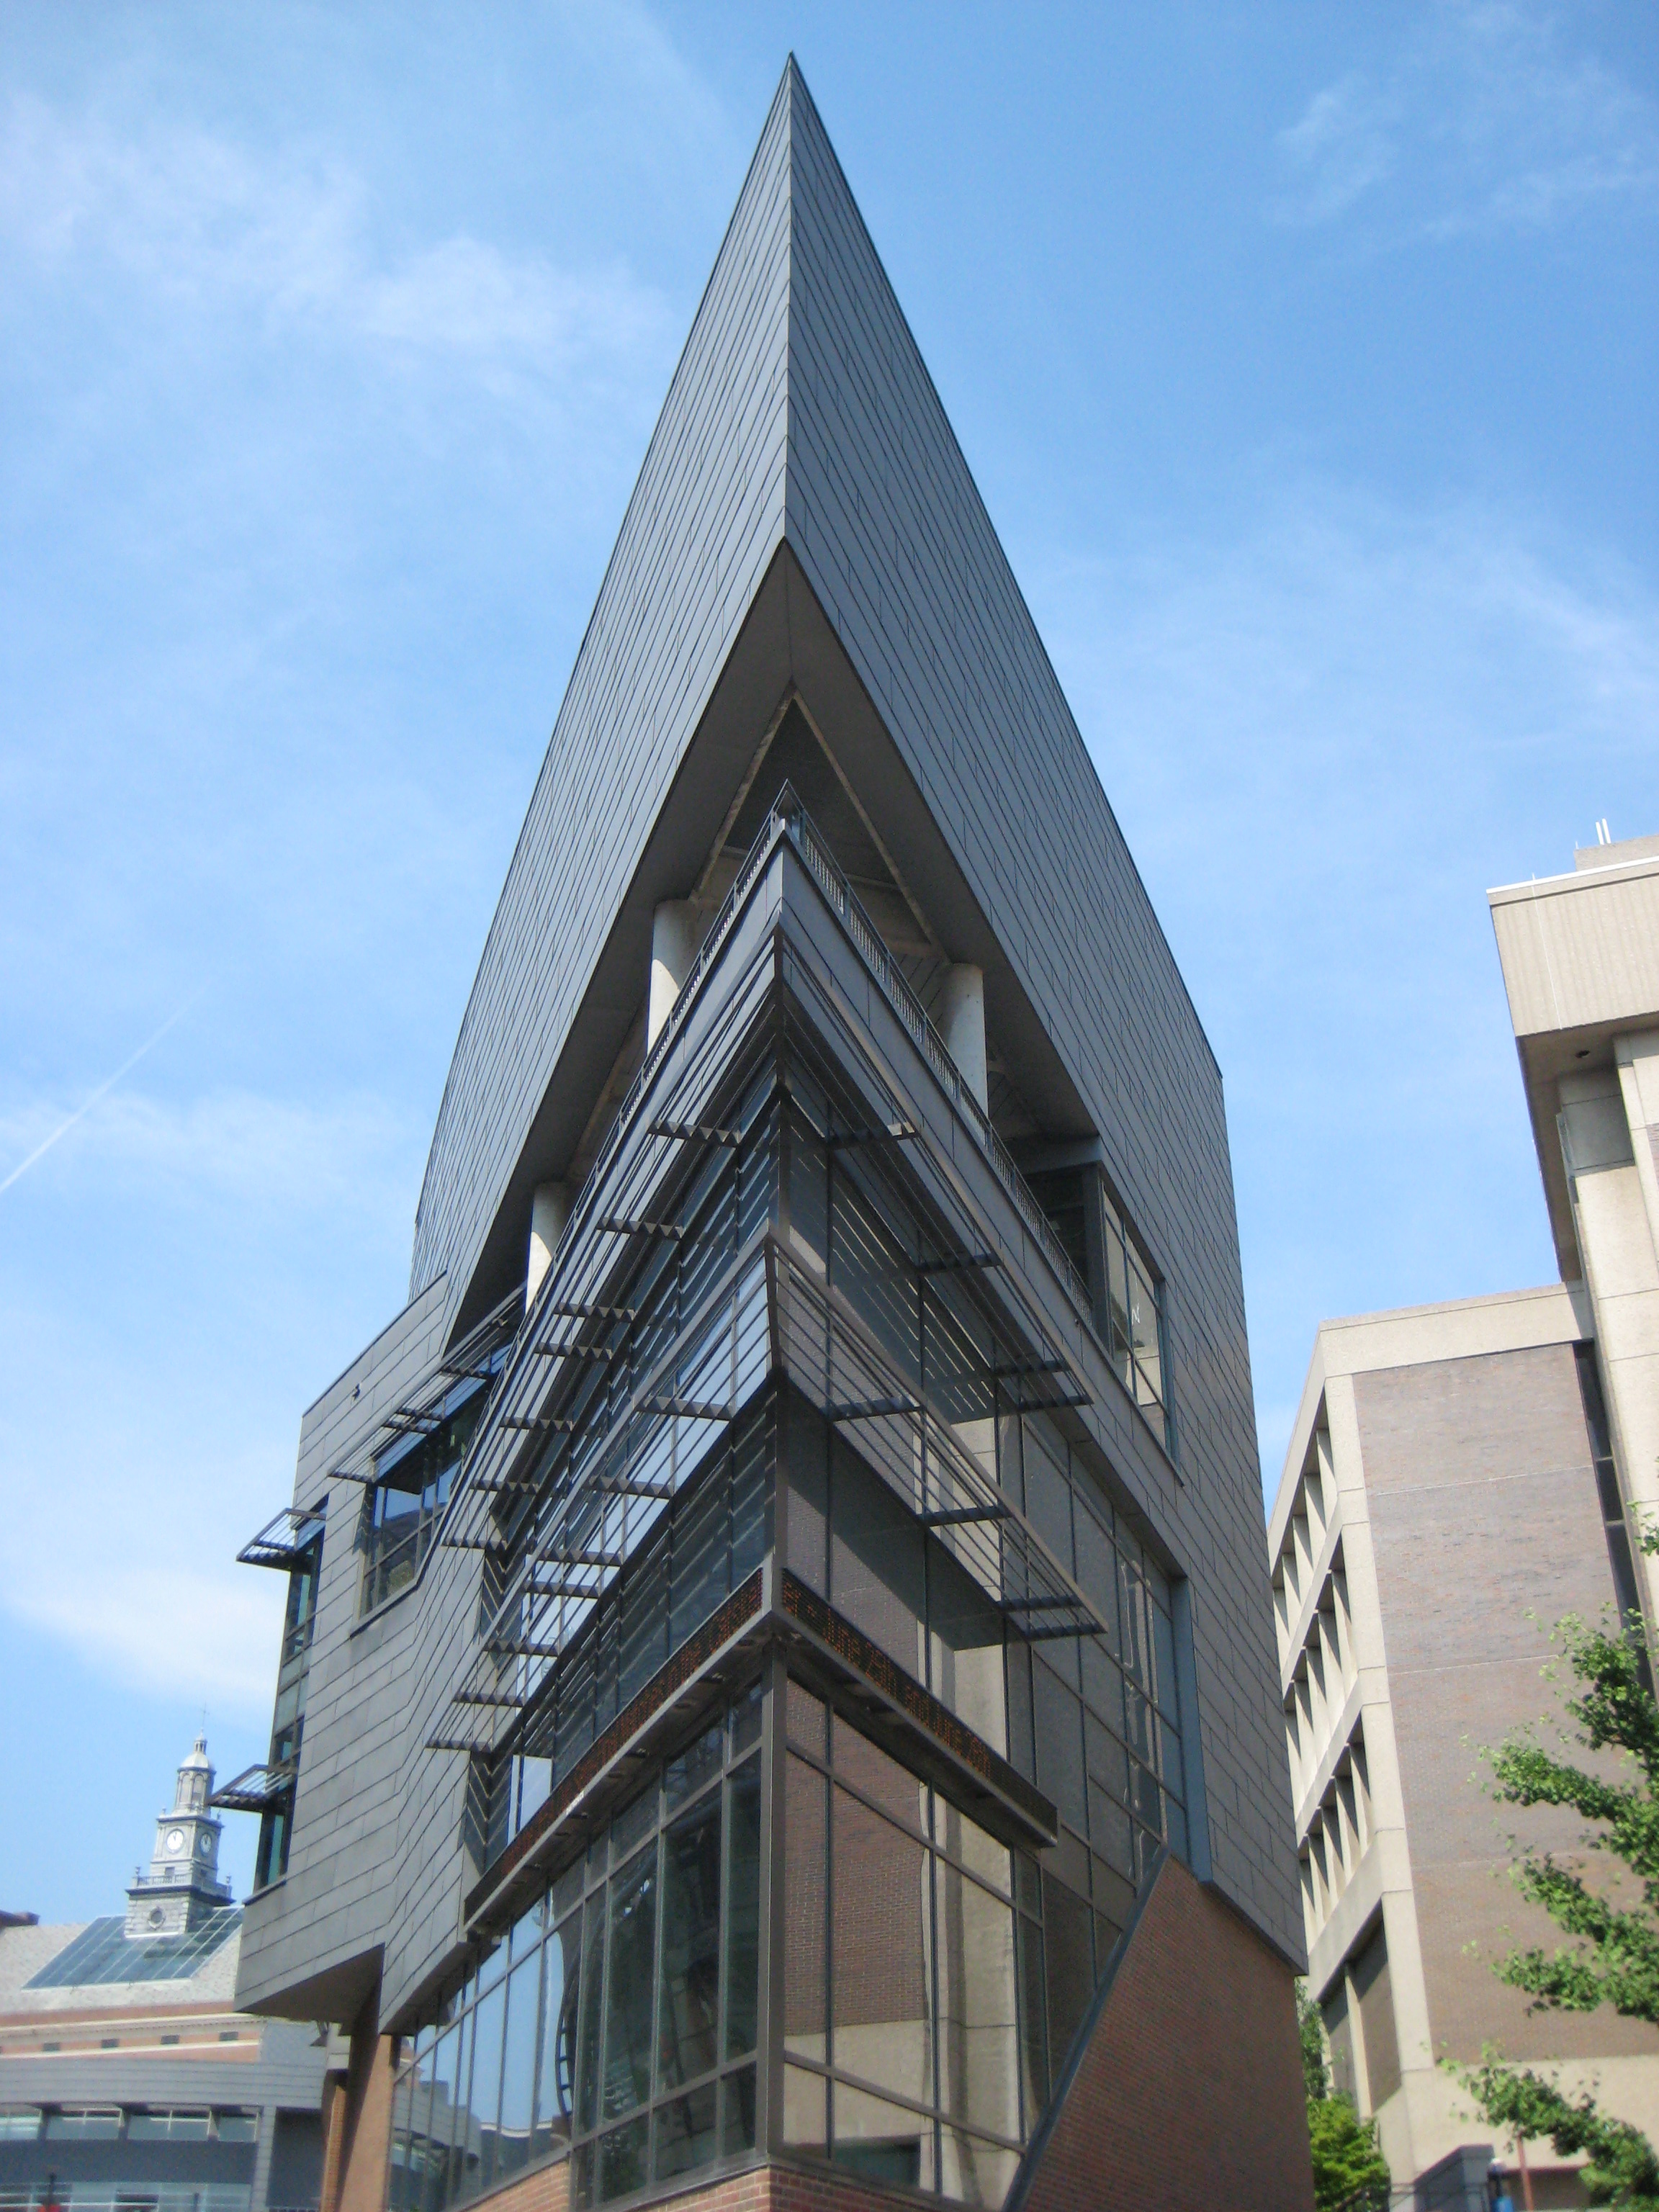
(686, 2132)
(698, 1763)
(526, 1932)
(556, 2088)
(746, 1720)
(965, 1840)
(738, 2112)
(1047, 1492)
(524, 1992)
(633, 1825)
(965, 1632)
(882, 2142)
(438, 2093)
(809, 1494)
(457, 2167)
(629, 1979)
(688, 2014)
(1096, 1566)
(743, 1909)
(1033, 2024)
(972, 2172)
(806, 1870)
(895, 1791)
(1163, 1658)
(593, 1991)
(806, 2112)
(1059, 1717)
(978, 2023)
(876, 1554)
(485, 2103)
(880, 2007)
(1071, 1974)
(623, 2167)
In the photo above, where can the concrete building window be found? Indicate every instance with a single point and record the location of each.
(169, 2126)
(84, 2123)
(621, 2015)
(239, 2126)
(20, 2124)
(902, 1973)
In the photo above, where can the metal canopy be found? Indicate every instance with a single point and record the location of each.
(278, 1543)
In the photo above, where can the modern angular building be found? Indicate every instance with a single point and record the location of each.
(778, 1699)
(1460, 1476)
(129, 2081)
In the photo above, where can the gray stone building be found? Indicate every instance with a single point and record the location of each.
(1460, 1476)
(779, 1670)
(128, 2078)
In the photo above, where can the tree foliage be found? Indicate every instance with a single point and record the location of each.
(1622, 2169)
(1613, 1956)
(1347, 2166)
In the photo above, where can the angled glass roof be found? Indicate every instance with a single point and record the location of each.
(102, 1953)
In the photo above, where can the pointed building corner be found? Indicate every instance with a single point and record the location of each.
(777, 1480)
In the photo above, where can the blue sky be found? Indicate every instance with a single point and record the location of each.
(1305, 359)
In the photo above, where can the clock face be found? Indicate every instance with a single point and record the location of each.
(175, 1839)
(204, 1844)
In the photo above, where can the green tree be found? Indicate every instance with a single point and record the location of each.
(1347, 2166)
(1613, 1958)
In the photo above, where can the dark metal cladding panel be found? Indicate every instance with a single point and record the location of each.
(884, 517)
(705, 518)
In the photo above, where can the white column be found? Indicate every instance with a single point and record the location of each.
(676, 934)
(549, 1209)
(960, 1014)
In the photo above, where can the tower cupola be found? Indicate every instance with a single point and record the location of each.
(184, 1884)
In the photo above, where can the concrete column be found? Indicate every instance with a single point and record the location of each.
(549, 1209)
(676, 934)
(960, 1015)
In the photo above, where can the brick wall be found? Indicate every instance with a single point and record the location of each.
(1190, 2098)
(1484, 1512)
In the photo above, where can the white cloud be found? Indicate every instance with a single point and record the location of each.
(202, 220)
(1341, 146)
(163, 1625)
(271, 1153)
(1482, 121)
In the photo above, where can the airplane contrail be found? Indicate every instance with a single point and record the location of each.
(104, 1088)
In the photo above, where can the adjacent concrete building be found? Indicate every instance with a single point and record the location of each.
(778, 1698)
(1460, 1476)
(128, 2078)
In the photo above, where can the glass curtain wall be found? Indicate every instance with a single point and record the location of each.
(620, 2017)
(711, 1540)
(904, 1955)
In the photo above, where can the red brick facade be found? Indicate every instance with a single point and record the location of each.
(1190, 2098)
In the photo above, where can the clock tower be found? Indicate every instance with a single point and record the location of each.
(184, 1887)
